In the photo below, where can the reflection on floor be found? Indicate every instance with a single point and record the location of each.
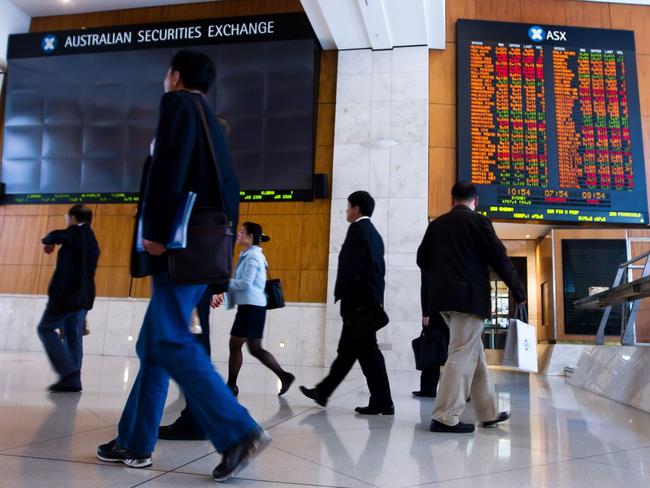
(558, 436)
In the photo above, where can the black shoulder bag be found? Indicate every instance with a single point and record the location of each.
(274, 293)
(207, 259)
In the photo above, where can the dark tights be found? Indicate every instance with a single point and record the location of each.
(255, 348)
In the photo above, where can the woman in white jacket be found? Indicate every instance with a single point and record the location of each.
(246, 290)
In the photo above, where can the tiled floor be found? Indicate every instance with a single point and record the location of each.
(559, 436)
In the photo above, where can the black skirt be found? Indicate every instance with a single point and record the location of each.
(249, 322)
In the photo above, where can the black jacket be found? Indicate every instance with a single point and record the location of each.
(455, 255)
(75, 241)
(360, 277)
(182, 162)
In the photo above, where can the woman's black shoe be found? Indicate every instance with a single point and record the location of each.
(286, 383)
(237, 457)
(234, 389)
(423, 394)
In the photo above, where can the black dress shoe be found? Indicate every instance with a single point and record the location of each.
(315, 395)
(459, 428)
(236, 457)
(375, 410)
(59, 388)
(67, 384)
(179, 431)
(423, 394)
(112, 452)
(503, 416)
(286, 383)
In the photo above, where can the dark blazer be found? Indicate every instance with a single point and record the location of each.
(455, 255)
(182, 162)
(360, 277)
(69, 265)
(435, 319)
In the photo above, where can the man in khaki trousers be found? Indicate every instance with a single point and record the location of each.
(455, 255)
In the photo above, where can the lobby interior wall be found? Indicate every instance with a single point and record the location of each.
(298, 251)
(442, 105)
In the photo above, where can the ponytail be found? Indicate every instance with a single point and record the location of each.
(256, 231)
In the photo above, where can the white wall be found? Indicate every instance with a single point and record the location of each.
(12, 21)
(381, 145)
(294, 334)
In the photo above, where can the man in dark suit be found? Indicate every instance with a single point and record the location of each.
(455, 255)
(457, 250)
(181, 162)
(71, 294)
(360, 287)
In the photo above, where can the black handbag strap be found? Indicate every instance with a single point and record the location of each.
(206, 129)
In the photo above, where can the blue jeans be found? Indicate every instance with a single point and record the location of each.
(166, 348)
(65, 354)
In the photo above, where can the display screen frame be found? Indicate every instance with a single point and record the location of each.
(554, 206)
(208, 33)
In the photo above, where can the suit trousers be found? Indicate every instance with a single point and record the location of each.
(465, 373)
(362, 346)
(166, 348)
(65, 354)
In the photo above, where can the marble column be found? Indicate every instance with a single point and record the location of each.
(381, 145)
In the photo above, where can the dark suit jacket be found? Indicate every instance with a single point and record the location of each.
(360, 277)
(455, 254)
(182, 162)
(69, 265)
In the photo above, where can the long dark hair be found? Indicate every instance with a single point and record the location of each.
(256, 231)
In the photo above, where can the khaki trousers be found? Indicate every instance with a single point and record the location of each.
(465, 373)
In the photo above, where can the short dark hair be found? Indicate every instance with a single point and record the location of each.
(256, 231)
(81, 213)
(364, 201)
(463, 191)
(196, 69)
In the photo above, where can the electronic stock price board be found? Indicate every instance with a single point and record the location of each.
(549, 125)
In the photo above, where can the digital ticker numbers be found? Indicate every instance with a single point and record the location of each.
(244, 196)
(549, 125)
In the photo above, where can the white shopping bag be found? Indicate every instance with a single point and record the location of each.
(521, 346)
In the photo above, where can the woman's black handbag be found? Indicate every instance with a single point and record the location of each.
(430, 349)
(274, 294)
(207, 259)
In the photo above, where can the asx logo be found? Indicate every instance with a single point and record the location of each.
(538, 34)
(49, 43)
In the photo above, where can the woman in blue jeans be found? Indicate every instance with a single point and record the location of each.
(246, 290)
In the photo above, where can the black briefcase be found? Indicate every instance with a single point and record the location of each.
(429, 349)
(366, 319)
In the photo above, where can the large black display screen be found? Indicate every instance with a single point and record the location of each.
(549, 125)
(82, 106)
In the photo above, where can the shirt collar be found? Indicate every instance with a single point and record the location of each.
(363, 217)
